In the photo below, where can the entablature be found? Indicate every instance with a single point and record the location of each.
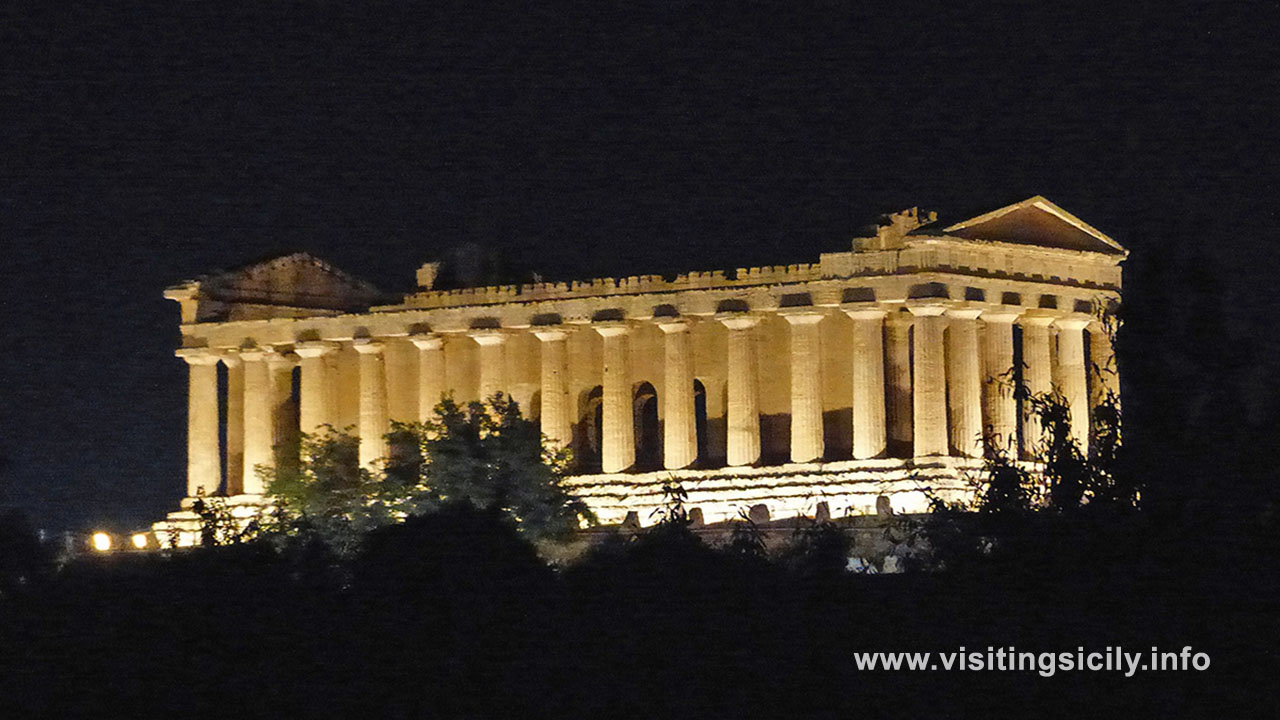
(886, 290)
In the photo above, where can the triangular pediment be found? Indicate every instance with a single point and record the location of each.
(1036, 221)
(299, 280)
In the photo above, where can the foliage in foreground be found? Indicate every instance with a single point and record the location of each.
(1020, 509)
(486, 455)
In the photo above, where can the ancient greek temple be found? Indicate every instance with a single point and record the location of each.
(872, 373)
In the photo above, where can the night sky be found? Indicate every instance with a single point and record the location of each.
(141, 147)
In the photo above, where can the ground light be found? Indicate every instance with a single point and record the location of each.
(101, 542)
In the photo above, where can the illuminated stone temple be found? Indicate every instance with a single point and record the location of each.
(869, 374)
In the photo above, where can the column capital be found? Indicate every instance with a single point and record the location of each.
(670, 325)
(488, 336)
(427, 341)
(279, 360)
(964, 313)
(1000, 315)
(315, 348)
(806, 315)
(738, 321)
(611, 328)
(257, 353)
(864, 311)
(232, 359)
(1038, 318)
(199, 356)
(551, 333)
(367, 346)
(926, 308)
(1073, 322)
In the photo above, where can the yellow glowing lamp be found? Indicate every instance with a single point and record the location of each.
(140, 541)
(101, 542)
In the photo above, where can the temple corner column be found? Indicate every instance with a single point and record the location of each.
(1072, 377)
(1104, 375)
(204, 456)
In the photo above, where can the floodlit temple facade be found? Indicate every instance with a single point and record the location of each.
(861, 379)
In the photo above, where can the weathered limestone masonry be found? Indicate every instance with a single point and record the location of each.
(872, 372)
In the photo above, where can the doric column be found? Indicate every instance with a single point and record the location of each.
(1104, 376)
(235, 422)
(619, 448)
(679, 428)
(1070, 375)
(431, 379)
(317, 394)
(1037, 375)
(964, 381)
(284, 429)
(556, 418)
(929, 390)
(868, 382)
(744, 395)
(204, 463)
(999, 406)
(259, 422)
(373, 401)
(492, 362)
(898, 404)
(806, 385)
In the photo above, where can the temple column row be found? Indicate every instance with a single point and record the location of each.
(925, 381)
(258, 385)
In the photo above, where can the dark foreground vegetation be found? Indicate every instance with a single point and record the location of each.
(1168, 540)
(453, 614)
